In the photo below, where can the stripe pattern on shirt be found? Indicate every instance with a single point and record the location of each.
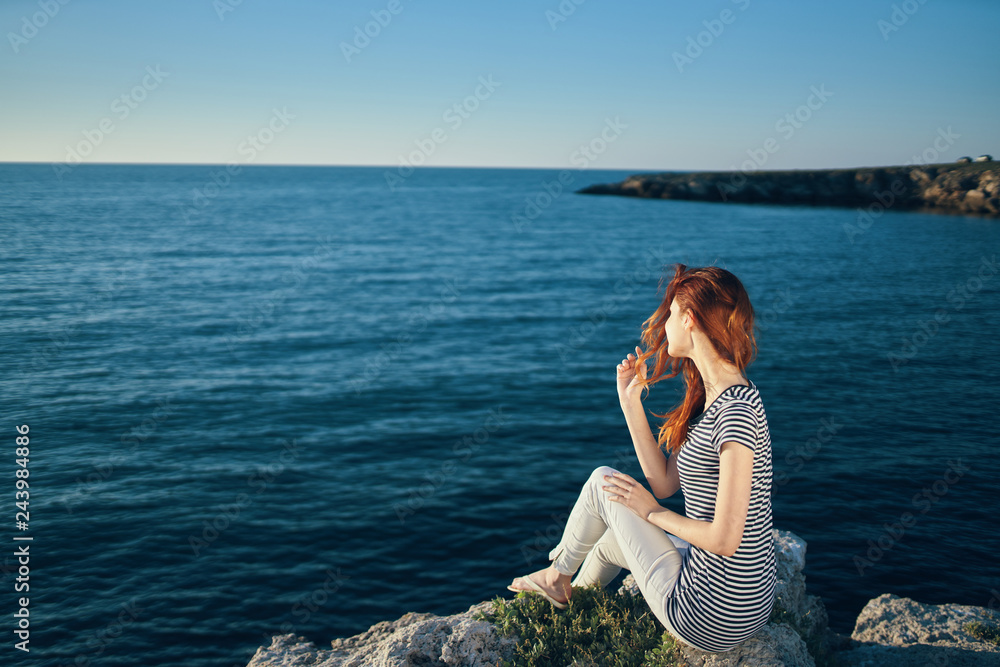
(719, 602)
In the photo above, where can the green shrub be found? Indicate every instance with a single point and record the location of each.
(987, 632)
(596, 628)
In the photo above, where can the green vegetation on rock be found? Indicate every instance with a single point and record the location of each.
(596, 628)
(987, 632)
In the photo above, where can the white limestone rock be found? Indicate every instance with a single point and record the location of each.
(415, 639)
(775, 645)
(900, 631)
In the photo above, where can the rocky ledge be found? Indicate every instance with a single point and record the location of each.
(889, 631)
(972, 188)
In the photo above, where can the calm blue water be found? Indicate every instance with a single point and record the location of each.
(301, 402)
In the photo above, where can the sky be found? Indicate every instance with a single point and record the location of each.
(641, 85)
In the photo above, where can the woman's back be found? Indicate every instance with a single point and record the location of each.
(719, 602)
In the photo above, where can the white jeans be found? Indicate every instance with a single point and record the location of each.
(603, 536)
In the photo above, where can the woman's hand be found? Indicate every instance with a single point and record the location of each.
(630, 493)
(629, 377)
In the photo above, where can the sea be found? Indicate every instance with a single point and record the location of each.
(261, 400)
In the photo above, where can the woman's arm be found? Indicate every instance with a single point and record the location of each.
(661, 473)
(724, 533)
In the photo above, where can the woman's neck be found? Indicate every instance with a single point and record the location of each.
(719, 377)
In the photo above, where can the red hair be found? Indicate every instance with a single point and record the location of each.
(721, 309)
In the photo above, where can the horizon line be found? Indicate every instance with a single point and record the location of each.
(300, 164)
(429, 167)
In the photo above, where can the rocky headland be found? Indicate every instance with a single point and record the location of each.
(956, 188)
(889, 631)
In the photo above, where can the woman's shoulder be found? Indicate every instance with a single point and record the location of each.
(740, 404)
(740, 396)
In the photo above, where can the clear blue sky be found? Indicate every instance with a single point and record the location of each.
(892, 86)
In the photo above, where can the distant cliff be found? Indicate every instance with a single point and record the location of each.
(972, 188)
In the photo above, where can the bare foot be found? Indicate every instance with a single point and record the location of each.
(552, 581)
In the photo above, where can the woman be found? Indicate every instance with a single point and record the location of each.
(709, 576)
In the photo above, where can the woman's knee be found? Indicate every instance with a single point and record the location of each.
(599, 473)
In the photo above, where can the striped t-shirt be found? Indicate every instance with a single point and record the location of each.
(719, 602)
